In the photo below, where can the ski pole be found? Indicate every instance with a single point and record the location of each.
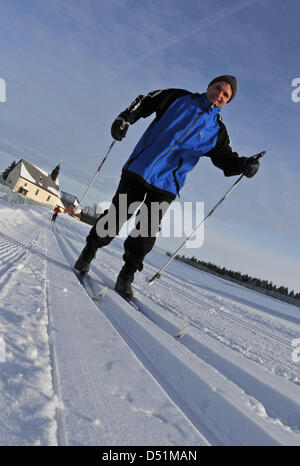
(158, 274)
(77, 210)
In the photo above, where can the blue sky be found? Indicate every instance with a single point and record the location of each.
(71, 66)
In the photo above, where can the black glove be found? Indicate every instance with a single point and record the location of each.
(250, 166)
(119, 128)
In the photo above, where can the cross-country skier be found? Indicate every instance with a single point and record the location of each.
(187, 126)
(56, 212)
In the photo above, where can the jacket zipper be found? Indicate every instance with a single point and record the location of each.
(174, 172)
(178, 140)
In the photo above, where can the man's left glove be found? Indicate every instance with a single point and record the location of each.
(250, 166)
(119, 128)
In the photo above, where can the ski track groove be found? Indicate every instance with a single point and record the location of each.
(86, 379)
(225, 314)
(22, 245)
(84, 368)
(129, 343)
(61, 434)
(194, 287)
(252, 352)
(141, 356)
(16, 252)
(18, 248)
(286, 344)
(198, 301)
(248, 326)
(209, 307)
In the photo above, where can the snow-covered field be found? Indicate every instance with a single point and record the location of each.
(77, 372)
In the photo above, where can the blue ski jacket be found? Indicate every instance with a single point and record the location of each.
(187, 127)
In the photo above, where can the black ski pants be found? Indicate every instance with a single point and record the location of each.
(131, 194)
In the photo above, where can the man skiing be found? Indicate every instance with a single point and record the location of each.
(56, 212)
(187, 126)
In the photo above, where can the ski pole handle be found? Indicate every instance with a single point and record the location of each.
(259, 155)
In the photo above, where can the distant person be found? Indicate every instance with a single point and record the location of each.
(56, 212)
(187, 127)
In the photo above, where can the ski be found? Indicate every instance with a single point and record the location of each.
(90, 284)
(99, 295)
(130, 301)
(181, 332)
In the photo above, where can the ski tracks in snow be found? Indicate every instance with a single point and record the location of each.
(229, 399)
(79, 373)
(113, 398)
(28, 403)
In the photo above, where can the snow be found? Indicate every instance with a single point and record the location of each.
(24, 173)
(78, 372)
(54, 191)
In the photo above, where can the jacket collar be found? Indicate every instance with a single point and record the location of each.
(206, 103)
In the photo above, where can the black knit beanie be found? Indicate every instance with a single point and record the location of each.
(231, 80)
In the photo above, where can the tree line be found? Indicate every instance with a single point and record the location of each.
(90, 214)
(6, 172)
(242, 278)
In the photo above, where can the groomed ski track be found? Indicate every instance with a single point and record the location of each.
(119, 377)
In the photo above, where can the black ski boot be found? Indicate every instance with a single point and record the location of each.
(84, 260)
(124, 280)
